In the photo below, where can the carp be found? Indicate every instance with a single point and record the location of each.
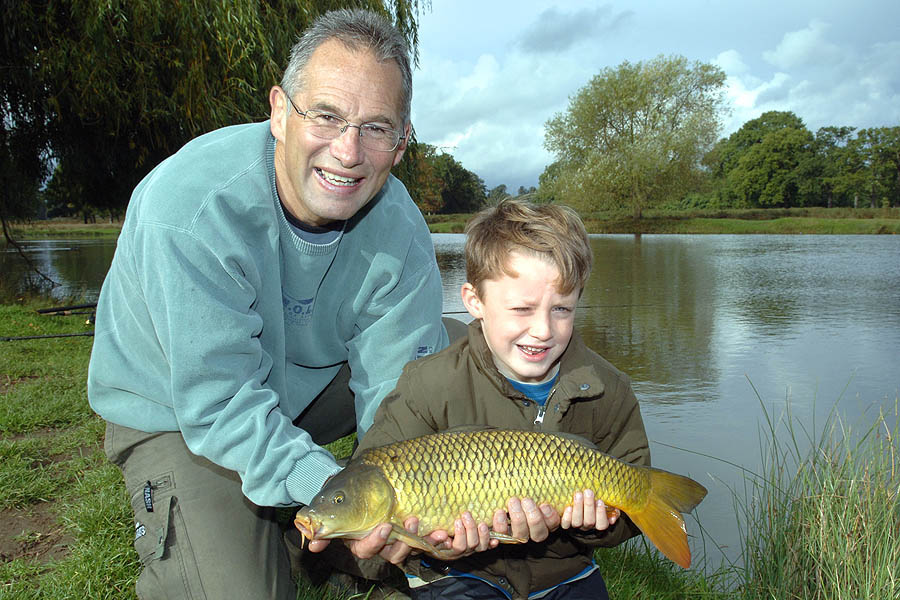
(437, 477)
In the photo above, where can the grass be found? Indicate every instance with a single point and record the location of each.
(53, 473)
(751, 221)
(824, 523)
(813, 220)
(733, 221)
(820, 524)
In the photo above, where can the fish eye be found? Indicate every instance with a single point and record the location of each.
(338, 498)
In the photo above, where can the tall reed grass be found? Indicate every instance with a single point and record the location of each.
(823, 522)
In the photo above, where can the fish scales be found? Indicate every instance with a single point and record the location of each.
(439, 476)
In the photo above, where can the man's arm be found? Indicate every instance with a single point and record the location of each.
(205, 324)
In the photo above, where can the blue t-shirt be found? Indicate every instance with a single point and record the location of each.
(538, 392)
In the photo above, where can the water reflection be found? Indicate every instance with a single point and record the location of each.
(77, 268)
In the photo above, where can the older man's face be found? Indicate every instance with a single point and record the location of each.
(319, 180)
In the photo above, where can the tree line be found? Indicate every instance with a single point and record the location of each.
(647, 135)
(775, 161)
(96, 93)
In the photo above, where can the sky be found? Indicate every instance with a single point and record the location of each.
(492, 72)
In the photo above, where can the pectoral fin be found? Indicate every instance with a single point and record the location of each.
(507, 539)
(411, 540)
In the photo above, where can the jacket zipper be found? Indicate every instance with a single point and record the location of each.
(539, 419)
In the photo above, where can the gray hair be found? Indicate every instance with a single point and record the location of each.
(358, 30)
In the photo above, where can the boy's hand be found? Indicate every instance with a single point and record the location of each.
(469, 537)
(587, 513)
(526, 520)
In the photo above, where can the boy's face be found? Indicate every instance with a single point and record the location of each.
(526, 322)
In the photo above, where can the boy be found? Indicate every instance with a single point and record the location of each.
(521, 366)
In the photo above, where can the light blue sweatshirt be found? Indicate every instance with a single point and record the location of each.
(218, 321)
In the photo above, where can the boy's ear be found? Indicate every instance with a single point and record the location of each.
(471, 300)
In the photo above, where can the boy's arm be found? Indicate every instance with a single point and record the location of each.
(625, 439)
(398, 417)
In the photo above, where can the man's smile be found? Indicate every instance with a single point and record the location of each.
(334, 179)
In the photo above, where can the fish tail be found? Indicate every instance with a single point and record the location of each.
(661, 520)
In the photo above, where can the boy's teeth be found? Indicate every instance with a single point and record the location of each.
(531, 349)
(336, 179)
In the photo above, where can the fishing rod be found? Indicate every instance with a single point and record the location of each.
(59, 311)
(40, 337)
(66, 309)
(463, 312)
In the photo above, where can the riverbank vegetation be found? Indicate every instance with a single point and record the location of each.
(825, 522)
(820, 523)
(813, 220)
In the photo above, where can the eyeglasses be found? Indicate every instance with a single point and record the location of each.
(328, 126)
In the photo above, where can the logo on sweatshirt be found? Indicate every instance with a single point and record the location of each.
(297, 312)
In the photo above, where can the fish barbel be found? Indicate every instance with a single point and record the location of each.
(437, 477)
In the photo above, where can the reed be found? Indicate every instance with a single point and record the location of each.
(824, 523)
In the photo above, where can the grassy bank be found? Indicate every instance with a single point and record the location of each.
(769, 221)
(823, 524)
(759, 221)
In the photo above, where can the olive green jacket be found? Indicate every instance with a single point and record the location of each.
(461, 386)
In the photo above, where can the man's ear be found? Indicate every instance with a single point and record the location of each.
(471, 300)
(278, 113)
(407, 131)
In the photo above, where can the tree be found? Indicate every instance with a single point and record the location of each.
(831, 148)
(769, 161)
(121, 84)
(635, 135)
(879, 152)
(771, 172)
(463, 191)
(24, 140)
(419, 174)
(729, 151)
(497, 194)
(548, 181)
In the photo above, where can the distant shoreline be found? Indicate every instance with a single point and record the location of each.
(817, 221)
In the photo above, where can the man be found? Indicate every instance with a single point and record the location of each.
(256, 267)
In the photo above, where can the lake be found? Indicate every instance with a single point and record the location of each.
(714, 330)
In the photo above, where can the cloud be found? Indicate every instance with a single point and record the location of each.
(822, 81)
(492, 118)
(804, 48)
(731, 62)
(557, 31)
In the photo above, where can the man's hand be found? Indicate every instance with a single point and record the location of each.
(377, 543)
(588, 513)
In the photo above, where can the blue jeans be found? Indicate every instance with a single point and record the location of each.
(591, 587)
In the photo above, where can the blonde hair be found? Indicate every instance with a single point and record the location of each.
(548, 231)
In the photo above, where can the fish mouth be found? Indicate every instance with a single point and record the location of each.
(307, 528)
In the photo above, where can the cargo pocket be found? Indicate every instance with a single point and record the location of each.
(169, 568)
(152, 506)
